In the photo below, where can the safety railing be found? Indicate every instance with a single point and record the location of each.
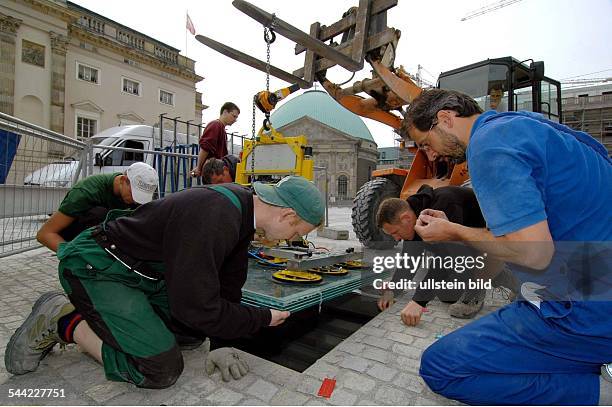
(30, 154)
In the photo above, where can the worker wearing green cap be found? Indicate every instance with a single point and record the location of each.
(170, 268)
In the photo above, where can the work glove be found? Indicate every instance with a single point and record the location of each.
(227, 360)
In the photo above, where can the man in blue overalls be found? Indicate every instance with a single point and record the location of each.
(545, 191)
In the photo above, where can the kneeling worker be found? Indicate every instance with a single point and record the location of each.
(220, 171)
(88, 202)
(133, 277)
(397, 218)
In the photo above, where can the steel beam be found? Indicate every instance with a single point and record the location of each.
(251, 61)
(287, 30)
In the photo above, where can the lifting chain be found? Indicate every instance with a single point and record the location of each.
(269, 38)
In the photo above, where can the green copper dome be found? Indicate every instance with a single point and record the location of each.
(319, 106)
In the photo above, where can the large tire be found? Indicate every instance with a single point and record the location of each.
(365, 206)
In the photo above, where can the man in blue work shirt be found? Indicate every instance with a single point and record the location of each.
(544, 190)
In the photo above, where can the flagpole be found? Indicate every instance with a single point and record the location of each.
(186, 16)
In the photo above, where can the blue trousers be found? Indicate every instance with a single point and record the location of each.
(517, 356)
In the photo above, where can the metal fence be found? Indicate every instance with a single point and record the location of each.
(38, 167)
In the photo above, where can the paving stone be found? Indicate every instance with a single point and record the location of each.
(224, 397)
(317, 402)
(416, 331)
(392, 396)
(378, 342)
(309, 386)
(341, 397)
(106, 391)
(395, 325)
(407, 364)
(379, 355)
(129, 398)
(382, 372)
(185, 398)
(334, 357)
(378, 332)
(201, 385)
(420, 343)
(409, 382)
(321, 369)
(355, 363)
(406, 350)
(358, 382)
(262, 389)
(286, 397)
(351, 348)
(401, 337)
(11, 318)
(252, 402)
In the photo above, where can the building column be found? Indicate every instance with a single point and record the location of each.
(8, 37)
(59, 44)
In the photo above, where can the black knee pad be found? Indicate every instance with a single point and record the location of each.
(160, 371)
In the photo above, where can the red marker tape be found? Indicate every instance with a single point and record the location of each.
(327, 387)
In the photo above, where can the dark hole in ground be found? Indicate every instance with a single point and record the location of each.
(307, 335)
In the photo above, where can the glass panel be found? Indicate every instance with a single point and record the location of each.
(523, 99)
(261, 290)
(549, 101)
(488, 85)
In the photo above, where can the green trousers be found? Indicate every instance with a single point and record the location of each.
(127, 311)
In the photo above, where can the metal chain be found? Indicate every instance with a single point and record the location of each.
(269, 38)
(253, 146)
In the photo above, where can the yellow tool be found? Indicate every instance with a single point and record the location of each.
(266, 101)
(330, 271)
(292, 276)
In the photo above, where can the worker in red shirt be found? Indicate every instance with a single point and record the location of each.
(213, 142)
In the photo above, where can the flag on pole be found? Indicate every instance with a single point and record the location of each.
(190, 26)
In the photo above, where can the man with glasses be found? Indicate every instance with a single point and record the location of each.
(538, 184)
(213, 142)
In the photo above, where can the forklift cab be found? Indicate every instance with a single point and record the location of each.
(506, 84)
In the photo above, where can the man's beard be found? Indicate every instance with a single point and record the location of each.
(453, 149)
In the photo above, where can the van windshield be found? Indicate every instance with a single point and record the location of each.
(107, 141)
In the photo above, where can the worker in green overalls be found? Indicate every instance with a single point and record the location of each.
(177, 262)
(88, 202)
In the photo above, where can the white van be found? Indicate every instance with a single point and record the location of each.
(140, 137)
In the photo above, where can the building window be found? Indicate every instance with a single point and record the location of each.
(130, 86)
(86, 127)
(87, 73)
(166, 98)
(342, 186)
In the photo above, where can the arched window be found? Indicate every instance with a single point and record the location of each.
(342, 186)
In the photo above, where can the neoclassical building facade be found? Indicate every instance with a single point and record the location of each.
(340, 140)
(76, 72)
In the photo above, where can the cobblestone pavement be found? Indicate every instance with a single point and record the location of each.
(377, 365)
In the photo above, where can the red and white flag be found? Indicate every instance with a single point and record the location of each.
(190, 26)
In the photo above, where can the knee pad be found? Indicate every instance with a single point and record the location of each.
(160, 371)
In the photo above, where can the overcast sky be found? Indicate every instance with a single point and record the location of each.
(572, 37)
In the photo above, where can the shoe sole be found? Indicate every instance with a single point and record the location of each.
(467, 316)
(8, 356)
(606, 372)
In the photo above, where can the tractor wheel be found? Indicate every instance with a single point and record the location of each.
(365, 206)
